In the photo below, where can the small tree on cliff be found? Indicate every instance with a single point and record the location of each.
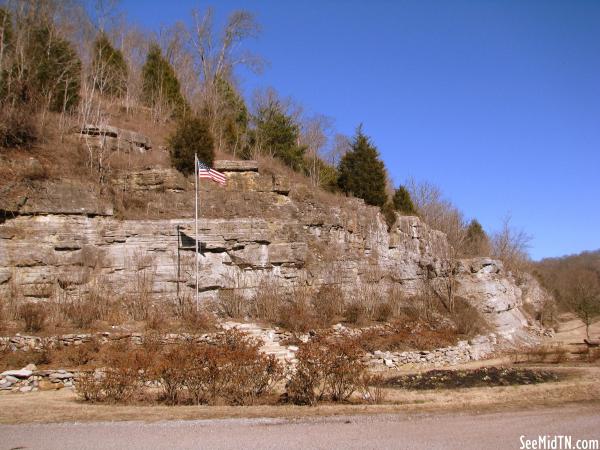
(55, 69)
(277, 134)
(362, 173)
(160, 86)
(109, 68)
(477, 242)
(192, 136)
(403, 202)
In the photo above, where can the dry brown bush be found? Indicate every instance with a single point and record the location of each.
(230, 371)
(296, 313)
(407, 336)
(547, 354)
(196, 319)
(80, 355)
(16, 360)
(34, 315)
(468, 320)
(231, 303)
(267, 301)
(372, 388)
(356, 313)
(326, 370)
(329, 303)
(18, 128)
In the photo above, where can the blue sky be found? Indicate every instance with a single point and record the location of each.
(496, 102)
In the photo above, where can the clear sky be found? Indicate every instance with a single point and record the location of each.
(496, 102)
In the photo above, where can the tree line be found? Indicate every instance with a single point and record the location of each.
(60, 57)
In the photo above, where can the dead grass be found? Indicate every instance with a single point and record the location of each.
(62, 406)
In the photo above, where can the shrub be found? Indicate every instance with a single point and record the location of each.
(403, 202)
(389, 215)
(230, 371)
(306, 386)
(384, 312)
(372, 388)
(468, 319)
(325, 369)
(82, 312)
(80, 355)
(329, 303)
(121, 379)
(170, 370)
(267, 301)
(197, 319)
(232, 304)
(18, 128)
(192, 136)
(296, 314)
(356, 313)
(34, 316)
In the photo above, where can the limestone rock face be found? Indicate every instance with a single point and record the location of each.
(151, 180)
(115, 139)
(54, 197)
(485, 284)
(258, 227)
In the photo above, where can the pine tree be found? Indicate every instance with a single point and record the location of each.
(6, 37)
(160, 86)
(55, 69)
(192, 136)
(362, 173)
(109, 68)
(278, 134)
(231, 116)
(403, 202)
(476, 240)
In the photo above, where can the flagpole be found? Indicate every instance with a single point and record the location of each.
(196, 224)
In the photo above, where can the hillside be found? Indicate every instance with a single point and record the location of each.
(67, 238)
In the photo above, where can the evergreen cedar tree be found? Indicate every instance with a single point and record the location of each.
(362, 173)
(232, 115)
(277, 132)
(55, 69)
(192, 136)
(402, 201)
(476, 240)
(6, 35)
(160, 83)
(110, 68)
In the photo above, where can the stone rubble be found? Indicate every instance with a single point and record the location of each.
(26, 380)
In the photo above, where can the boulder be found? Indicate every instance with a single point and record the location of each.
(21, 374)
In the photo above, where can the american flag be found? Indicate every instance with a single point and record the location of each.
(206, 172)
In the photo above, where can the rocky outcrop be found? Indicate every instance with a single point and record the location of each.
(115, 139)
(259, 227)
(53, 197)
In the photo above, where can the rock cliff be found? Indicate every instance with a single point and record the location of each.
(260, 226)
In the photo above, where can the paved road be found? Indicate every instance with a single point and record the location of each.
(433, 431)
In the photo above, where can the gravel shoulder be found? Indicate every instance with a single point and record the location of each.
(406, 430)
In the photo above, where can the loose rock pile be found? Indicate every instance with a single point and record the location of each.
(475, 349)
(29, 379)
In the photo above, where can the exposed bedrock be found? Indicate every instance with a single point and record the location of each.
(260, 227)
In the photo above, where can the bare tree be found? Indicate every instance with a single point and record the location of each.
(315, 136)
(510, 246)
(217, 57)
(341, 145)
(584, 296)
